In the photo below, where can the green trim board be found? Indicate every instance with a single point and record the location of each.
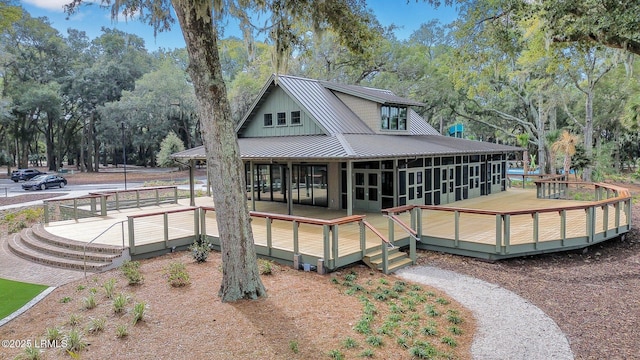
(15, 294)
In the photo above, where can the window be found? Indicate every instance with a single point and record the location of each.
(295, 118)
(268, 120)
(282, 118)
(393, 117)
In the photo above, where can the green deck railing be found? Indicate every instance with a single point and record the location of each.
(533, 231)
(97, 204)
(281, 238)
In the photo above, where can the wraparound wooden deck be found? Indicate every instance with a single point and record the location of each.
(476, 233)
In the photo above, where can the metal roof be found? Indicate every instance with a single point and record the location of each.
(353, 146)
(377, 95)
(418, 125)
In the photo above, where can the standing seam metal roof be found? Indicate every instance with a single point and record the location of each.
(332, 114)
(354, 146)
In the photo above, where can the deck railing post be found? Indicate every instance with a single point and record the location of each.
(175, 194)
(93, 205)
(334, 244)
(117, 200)
(157, 192)
(589, 213)
(165, 217)
(296, 249)
(536, 233)
(419, 222)
(363, 238)
(203, 224)
(563, 226)
(196, 224)
(46, 212)
(326, 246)
(268, 224)
(385, 258)
(75, 209)
(456, 228)
(507, 233)
(132, 240)
(498, 233)
(605, 219)
(103, 204)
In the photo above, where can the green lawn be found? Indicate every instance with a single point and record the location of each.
(14, 294)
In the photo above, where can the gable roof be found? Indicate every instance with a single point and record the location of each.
(331, 114)
(317, 99)
(377, 95)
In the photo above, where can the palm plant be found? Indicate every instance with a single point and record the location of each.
(566, 145)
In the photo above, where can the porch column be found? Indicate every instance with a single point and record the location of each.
(192, 181)
(252, 186)
(289, 174)
(349, 188)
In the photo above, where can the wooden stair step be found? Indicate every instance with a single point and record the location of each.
(399, 265)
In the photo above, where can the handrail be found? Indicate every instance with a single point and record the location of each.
(378, 233)
(412, 233)
(95, 238)
(136, 216)
(134, 190)
(307, 220)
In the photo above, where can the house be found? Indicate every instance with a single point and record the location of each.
(360, 149)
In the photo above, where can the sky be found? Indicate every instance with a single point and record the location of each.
(408, 15)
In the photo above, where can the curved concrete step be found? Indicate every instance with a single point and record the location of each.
(36, 244)
(17, 247)
(41, 234)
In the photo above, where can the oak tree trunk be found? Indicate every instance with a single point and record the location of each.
(241, 278)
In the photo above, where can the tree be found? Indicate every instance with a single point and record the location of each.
(200, 24)
(566, 145)
(170, 145)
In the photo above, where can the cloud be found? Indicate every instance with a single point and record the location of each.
(57, 5)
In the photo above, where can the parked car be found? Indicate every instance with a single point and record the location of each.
(44, 182)
(24, 174)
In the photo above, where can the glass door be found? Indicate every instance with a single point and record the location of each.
(366, 190)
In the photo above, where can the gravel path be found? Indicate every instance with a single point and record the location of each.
(509, 327)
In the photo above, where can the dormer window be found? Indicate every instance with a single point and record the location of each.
(393, 117)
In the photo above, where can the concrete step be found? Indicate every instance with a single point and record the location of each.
(17, 247)
(45, 247)
(41, 234)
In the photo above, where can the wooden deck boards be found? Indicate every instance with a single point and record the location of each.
(474, 228)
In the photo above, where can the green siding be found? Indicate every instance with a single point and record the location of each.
(279, 101)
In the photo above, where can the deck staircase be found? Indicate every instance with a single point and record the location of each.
(38, 245)
(396, 258)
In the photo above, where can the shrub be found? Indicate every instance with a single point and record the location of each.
(119, 303)
(293, 345)
(74, 319)
(53, 334)
(336, 355)
(266, 267)
(349, 343)
(75, 341)
(177, 274)
(31, 353)
(109, 287)
(122, 331)
(138, 312)
(131, 270)
(89, 302)
(96, 324)
(200, 251)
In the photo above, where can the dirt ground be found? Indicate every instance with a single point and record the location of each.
(592, 294)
